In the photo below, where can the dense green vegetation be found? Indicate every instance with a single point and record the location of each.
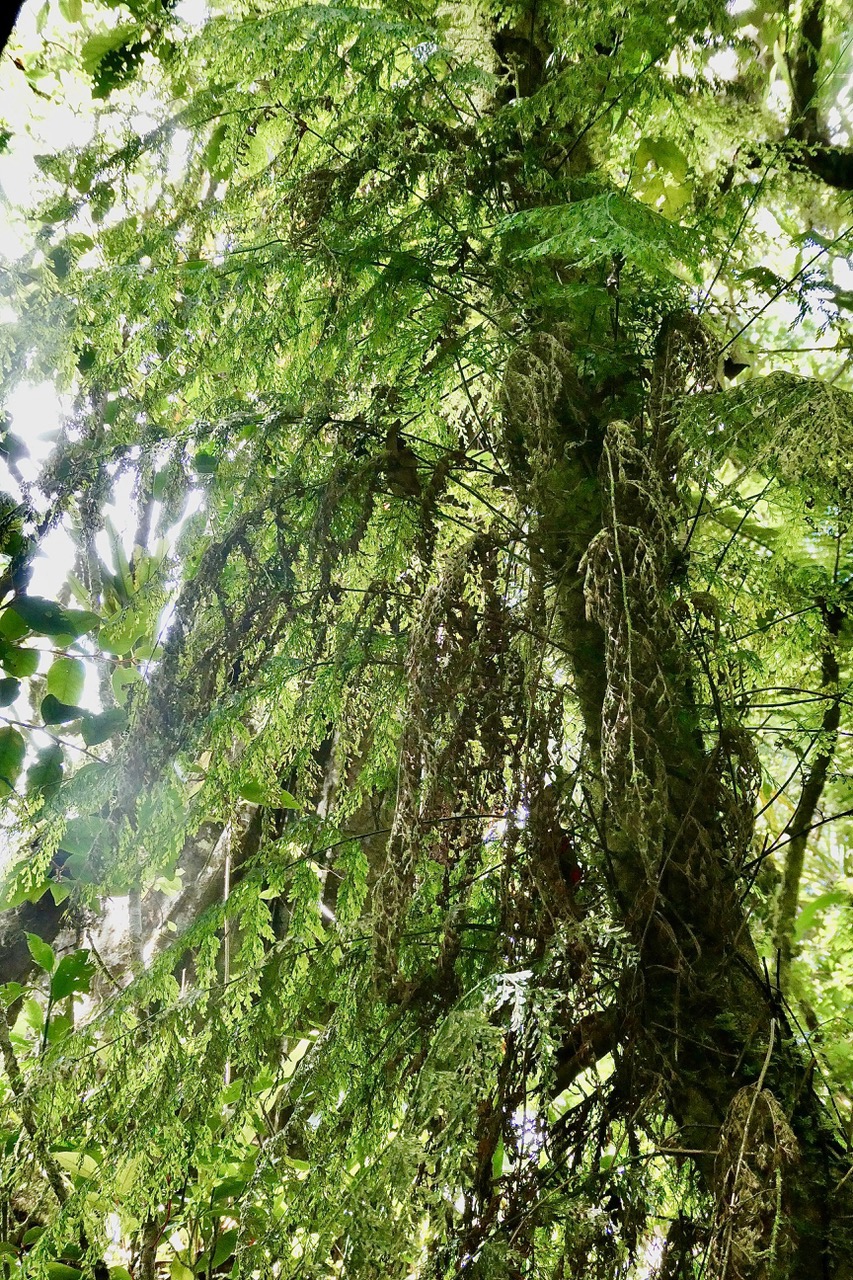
(426, 801)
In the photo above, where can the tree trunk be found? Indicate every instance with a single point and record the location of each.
(705, 1027)
(708, 1030)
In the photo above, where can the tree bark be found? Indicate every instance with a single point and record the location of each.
(677, 813)
(830, 164)
(678, 818)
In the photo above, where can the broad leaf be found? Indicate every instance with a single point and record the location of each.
(12, 627)
(122, 678)
(81, 833)
(9, 993)
(98, 729)
(19, 662)
(119, 635)
(41, 952)
(62, 1271)
(76, 1163)
(225, 1246)
(45, 776)
(65, 679)
(12, 752)
(55, 712)
(9, 690)
(73, 974)
(205, 464)
(47, 618)
(253, 792)
(811, 910)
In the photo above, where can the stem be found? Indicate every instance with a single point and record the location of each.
(148, 1250)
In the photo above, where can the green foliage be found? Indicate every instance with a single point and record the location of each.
(349, 325)
(12, 751)
(601, 228)
(73, 974)
(47, 619)
(65, 679)
(45, 774)
(41, 952)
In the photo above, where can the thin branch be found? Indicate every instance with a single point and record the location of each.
(803, 817)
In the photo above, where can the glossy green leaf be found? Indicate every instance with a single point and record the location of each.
(12, 627)
(206, 464)
(811, 910)
(77, 1163)
(58, 1027)
(81, 833)
(229, 1188)
(72, 10)
(47, 618)
(44, 777)
(119, 635)
(9, 993)
(664, 154)
(122, 678)
(98, 46)
(253, 792)
(62, 1271)
(225, 1246)
(32, 1015)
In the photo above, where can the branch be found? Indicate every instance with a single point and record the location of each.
(803, 69)
(831, 164)
(802, 820)
(587, 1042)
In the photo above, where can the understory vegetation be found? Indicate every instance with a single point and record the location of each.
(426, 778)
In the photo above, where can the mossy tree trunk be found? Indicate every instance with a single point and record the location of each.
(703, 1027)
